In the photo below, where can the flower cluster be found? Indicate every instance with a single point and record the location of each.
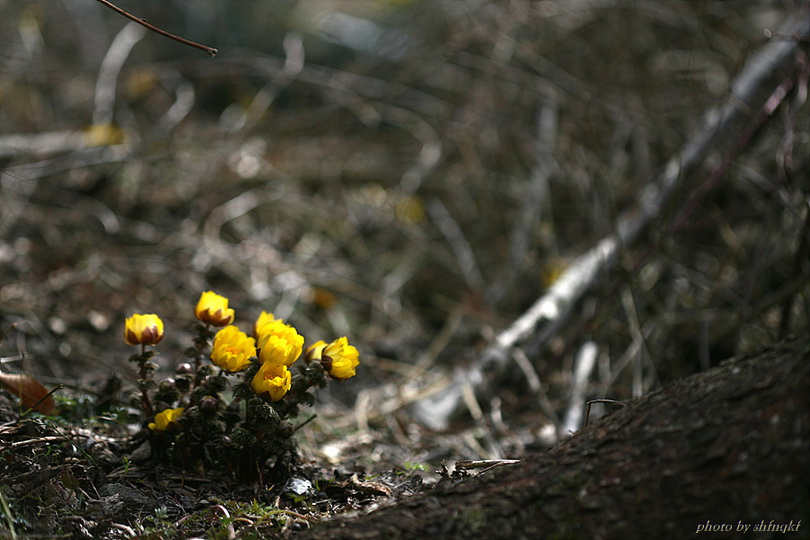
(196, 423)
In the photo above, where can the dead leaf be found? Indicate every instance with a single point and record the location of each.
(29, 390)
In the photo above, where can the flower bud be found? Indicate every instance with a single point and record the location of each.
(184, 369)
(213, 309)
(209, 404)
(338, 358)
(143, 329)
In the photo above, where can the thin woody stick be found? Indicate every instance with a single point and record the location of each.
(210, 50)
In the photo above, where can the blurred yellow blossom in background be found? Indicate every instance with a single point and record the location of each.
(103, 135)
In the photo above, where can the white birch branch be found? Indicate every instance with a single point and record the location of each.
(751, 95)
(583, 366)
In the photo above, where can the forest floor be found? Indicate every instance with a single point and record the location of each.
(91, 469)
(63, 480)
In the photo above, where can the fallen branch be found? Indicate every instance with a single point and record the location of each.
(754, 95)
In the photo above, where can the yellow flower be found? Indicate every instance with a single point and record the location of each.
(279, 343)
(315, 351)
(166, 419)
(232, 349)
(143, 329)
(272, 381)
(263, 319)
(338, 358)
(213, 309)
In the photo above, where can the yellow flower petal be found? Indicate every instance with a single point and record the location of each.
(261, 320)
(232, 349)
(279, 343)
(272, 381)
(340, 359)
(213, 309)
(315, 351)
(166, 419)
(143, 329)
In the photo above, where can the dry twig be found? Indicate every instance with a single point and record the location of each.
(210, 50)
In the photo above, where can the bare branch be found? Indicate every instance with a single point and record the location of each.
(210, 50)
(754, 95)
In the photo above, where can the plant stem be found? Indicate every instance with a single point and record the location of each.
(147, 403)
(201, 344)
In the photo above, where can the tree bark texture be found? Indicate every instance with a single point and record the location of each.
(705, 456)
